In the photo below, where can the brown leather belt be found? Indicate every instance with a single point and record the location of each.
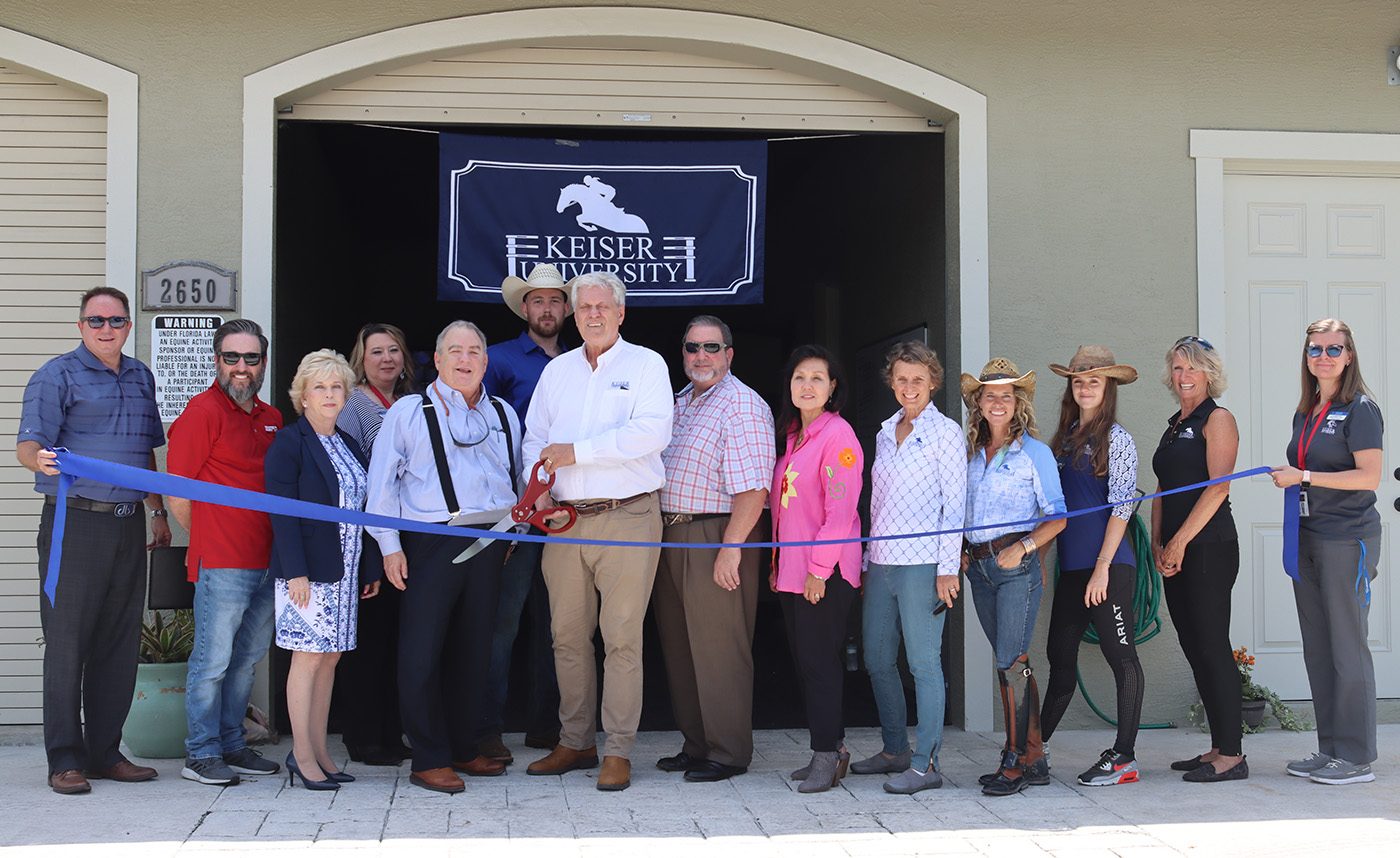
(673, 518)
(595, 507)
(983, 550)
(123, 509)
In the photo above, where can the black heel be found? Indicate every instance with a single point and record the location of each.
(293, 773)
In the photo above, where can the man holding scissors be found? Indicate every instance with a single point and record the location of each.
(600, 417)
(442, 456)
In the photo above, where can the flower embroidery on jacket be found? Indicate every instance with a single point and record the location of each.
(847, 458)
(789, 488)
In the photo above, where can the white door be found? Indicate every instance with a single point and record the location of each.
(1297, 249)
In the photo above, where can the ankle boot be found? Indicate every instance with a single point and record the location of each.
(823, 773)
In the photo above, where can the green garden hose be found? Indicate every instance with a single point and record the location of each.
(1147, 603)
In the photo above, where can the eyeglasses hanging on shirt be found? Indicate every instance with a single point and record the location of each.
(473, 422)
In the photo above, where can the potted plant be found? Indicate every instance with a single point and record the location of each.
(156, 726)
(1255, 698)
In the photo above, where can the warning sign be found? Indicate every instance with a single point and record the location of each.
(182, 358)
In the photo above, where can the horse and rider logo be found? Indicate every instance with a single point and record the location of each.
(594, 197)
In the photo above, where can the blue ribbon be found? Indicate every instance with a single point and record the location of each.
(153, 482)
(1363, 581)
(1291, 523)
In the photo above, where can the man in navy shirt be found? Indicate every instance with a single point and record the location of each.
(96, 402)
(512, 372)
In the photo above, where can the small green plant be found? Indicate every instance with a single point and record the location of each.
(167, 637)
(1251, 690)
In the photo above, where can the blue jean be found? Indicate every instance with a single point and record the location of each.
(1007, 602)
(232, 631)
(903, 597)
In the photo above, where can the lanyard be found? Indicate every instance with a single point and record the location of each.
(1305, 438)
(377, 395)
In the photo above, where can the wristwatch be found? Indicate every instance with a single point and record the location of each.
(160, 513)
(1307, 480)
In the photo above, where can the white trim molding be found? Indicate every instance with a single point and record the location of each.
(961, 109)
(1218, 153)
(119, 87)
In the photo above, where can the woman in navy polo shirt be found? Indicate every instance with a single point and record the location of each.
(1098, 570)
(1334, 458)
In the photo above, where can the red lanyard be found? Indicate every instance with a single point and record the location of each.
(1305, 438)
(377, 395)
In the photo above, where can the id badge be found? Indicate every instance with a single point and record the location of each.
(1302, 504)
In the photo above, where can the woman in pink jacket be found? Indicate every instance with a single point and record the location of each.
(816, 486)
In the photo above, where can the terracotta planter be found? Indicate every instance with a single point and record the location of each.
(1253, 712)
(156, 727)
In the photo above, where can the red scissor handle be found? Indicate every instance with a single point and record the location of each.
(525, 513)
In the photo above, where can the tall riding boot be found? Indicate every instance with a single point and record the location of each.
(1036, 762)
(1006, 719)
(1016, 686)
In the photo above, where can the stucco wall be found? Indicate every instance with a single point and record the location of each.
(1089, 105)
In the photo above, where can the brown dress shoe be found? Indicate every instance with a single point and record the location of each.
(481, 767)
(615, 775)
(69, 782)
(562, 759)
(438, 780)
(125, 771)
(493, 748)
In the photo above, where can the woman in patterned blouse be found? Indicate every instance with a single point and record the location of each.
(315, 563)
(1098, 571)
(918, 485)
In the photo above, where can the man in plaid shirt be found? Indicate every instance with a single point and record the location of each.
(719, 465)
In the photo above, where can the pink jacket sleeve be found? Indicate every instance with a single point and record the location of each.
(842, 464)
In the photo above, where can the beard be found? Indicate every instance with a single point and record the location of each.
(701, 376)
(242, 393)
(545, 326)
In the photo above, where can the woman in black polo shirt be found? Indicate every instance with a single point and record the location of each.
(1334, 458)
(1196, 548)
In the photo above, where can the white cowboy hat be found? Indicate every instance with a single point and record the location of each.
(542, 276)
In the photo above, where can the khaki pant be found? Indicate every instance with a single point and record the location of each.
(707, 640)
(577, 576)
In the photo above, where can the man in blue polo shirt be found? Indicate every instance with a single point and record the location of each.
(96, 402)
(512, 372)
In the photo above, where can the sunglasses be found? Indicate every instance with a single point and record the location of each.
(710, 348)
(232, 358)
(96, 322)
(1205, 344)
(1333, 351)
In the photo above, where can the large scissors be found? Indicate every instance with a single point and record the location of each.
(525, 513)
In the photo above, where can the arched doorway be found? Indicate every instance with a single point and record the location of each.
(959, 110)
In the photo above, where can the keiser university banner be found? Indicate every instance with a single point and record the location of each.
(679, 222)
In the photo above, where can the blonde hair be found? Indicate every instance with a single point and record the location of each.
(1201, 356)
(321, 363)
(979, 432)
(403, 385)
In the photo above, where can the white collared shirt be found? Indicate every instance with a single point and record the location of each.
(917, 487)
(618, 417)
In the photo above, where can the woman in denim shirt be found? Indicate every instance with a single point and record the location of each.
(1011, 477)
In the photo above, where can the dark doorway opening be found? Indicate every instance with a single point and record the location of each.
(854, 255)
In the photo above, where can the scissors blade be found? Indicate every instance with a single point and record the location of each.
(476, 547)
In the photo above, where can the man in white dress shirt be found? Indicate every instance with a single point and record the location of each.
(600, 417)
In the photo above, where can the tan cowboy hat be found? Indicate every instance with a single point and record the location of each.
(1096, 360)
(542, 276)
(997, 371)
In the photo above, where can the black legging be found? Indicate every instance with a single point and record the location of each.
(1198, 598)
(817, 637)
(1114, 622)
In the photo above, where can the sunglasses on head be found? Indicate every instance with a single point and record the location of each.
(710, 348)
(96, 322)
(1333, 351)
(1205, 344)
(232, 358)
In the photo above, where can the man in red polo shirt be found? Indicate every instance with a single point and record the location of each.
(222, 437)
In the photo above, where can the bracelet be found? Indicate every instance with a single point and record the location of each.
(1028, 544)
(1108, 560)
